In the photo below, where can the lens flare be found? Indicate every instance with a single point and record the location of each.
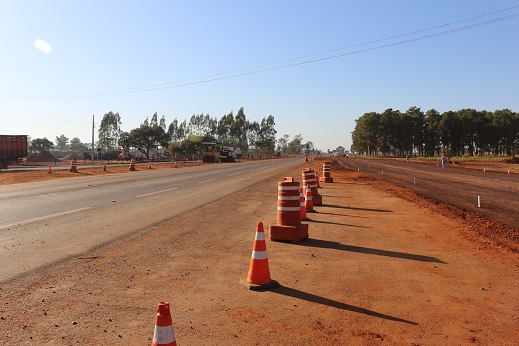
(43, 46)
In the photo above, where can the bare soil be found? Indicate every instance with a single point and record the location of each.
(382, 266)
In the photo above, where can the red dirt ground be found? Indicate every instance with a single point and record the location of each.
(382, 266)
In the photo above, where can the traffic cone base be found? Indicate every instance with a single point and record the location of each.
(262, 287)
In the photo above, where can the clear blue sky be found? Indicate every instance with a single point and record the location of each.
(217, 56)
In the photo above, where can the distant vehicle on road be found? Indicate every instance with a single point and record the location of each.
(12, 148)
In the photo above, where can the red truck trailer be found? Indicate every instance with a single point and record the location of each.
(12, 147)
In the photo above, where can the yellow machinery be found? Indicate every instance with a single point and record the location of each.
(214, 152)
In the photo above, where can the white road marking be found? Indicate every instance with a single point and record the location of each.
(157, 192)
(43, 218)
(206, 181)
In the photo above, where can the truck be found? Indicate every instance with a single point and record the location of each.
(12, 148)
(215, 152)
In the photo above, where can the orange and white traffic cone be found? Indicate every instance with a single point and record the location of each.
(104, 167)
(198, 162)
(149, 165)
(175, 165)
(259, 273)
(302, 203)
(132, 165)
(49, 170)
(309, 204)
(163, 334)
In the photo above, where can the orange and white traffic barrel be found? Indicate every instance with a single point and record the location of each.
(308, 176)
(327, 173)
(73, 166)
(288, 226)
(288, 204)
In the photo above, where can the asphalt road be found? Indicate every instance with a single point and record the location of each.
(43, 223)
(498, 192)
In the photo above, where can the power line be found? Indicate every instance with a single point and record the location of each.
(266, 68)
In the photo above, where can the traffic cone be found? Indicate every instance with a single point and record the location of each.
(309, 204)
(163, 334)
(198, 162)
(259, 274)
(132, 165)
(175, 165)
(49, 170)
(303, 207)
(317, 180)
(149, 165)
(104, 167)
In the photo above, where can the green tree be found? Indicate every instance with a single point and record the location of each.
(507, 127)
(340, 150)
(252, 135)
(144, 138)
(309, 147)
(431, 132)
(109, 131)
(295, 146)
(77, 145)
(177, 132)
(238, 130)
(41, 144)
(450, 132)
(367, 130)
(388, 138)
(283, 143)
(266, 141)
(415, 128)
(223, 131)
(61, 142)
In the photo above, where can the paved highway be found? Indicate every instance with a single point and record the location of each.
(43, 223)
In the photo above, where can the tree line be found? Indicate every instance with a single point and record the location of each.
(456, 133)
(183, 138)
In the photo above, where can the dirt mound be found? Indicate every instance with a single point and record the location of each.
(512, 159)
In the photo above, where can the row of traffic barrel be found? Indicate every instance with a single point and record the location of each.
(294, 201)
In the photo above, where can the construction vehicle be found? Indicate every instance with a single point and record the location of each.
(12, 148)
(215, 152)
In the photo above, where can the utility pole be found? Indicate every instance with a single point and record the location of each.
(93, 127)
